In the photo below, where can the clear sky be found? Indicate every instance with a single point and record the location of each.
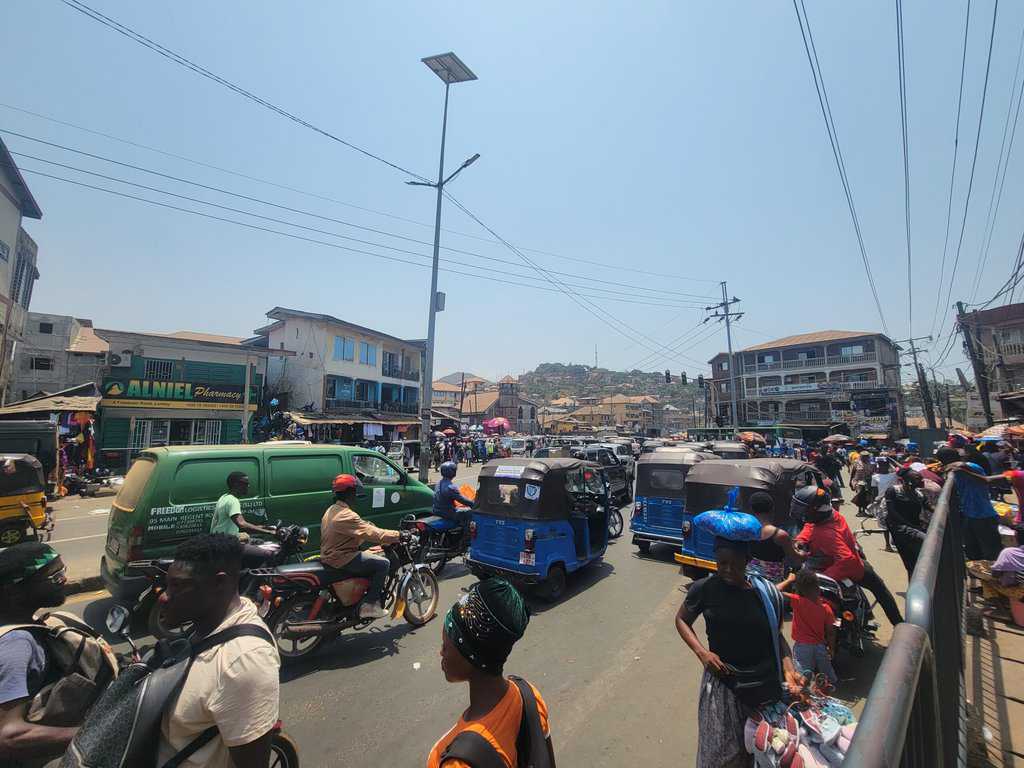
(676, 138)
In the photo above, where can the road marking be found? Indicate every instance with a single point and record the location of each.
(94, 513)
(79, 538)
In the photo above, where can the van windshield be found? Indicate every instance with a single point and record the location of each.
(134, 484)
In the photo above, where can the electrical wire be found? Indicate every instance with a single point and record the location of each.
(902, 66)
(1005, 151)
(833, 136)
(974, 159)
(177, 58)
(952, 175)
(315, 241)
(670, 295)
(678, 341)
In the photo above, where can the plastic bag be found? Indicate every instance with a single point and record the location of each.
(729, 523)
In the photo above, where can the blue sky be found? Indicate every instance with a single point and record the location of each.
(675, 138)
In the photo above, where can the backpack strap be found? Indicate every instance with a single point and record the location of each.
(472, 748)
(531, 746)
(208, 642)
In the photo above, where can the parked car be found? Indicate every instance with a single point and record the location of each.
(624, 453)
(169, 494)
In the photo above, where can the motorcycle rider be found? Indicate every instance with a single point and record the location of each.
(447, 494)
(342, 531)
(826, 535)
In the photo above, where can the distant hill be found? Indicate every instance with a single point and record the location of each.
(456, 378)
(552, 380)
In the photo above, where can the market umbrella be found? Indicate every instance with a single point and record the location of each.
(836, 439)
(450, 432)
(997, 431)
(750, 437)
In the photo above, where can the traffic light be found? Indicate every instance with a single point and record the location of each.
(700, 380)
(668, 377)
(682, 377)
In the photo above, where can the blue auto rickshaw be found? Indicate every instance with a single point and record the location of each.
(538, 520)
(708, 485)
(661, 496)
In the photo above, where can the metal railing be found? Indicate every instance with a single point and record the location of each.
(915, 714)
(814, 362)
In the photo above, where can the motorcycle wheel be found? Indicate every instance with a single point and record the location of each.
(615, 524)
(420, 599)
(158, 626)
(294, 609)
(283, 752)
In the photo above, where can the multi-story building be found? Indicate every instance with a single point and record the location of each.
(674, 420)
(18, 256)
(56, 352)
(444, 394)
(340, 368)
(813, 380)
(999, 333)
(597, 415)
(637, 413)
(504, 400)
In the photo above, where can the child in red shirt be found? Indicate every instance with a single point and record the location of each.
(814, 631)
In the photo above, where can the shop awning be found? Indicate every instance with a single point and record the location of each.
(81, 398)
(306, 419)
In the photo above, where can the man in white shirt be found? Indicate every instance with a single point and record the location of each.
(234, 686)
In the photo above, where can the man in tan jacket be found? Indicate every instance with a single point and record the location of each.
(342, 531)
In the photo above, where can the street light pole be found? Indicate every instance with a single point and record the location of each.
(450, 69)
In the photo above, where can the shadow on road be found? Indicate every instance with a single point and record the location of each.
(352, 649)
(577, 582)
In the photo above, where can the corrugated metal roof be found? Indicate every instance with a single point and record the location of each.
(88, 342)
(817, 337)
(196, 336)
(478, 402)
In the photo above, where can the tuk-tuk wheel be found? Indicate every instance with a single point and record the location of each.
(553, 587)
(644, 547)
(11, 535)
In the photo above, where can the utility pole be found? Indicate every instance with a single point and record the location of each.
(922, 380)
(595, 357)
(938, 402)
(980, 376)
(722, 311)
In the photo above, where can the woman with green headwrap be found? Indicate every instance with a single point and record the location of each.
(478, 635)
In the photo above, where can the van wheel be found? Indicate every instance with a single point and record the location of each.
(644, 547)
(11, 535)
(158, 626)
(553, 587)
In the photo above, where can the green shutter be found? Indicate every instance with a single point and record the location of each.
(231, 431)
(113, 433)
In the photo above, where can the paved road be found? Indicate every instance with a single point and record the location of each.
(81, 526)
(620, 685)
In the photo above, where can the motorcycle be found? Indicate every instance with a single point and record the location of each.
(306, 603)
(90, 482)
(440, 540)
(283, 751)
(144, 580)
(853, 611)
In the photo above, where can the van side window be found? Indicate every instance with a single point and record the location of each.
(374, 470)
(303, 474)
(206, 479)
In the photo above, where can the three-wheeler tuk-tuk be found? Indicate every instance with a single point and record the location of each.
(708, 485)
(661, 496)
(729, 449)
(537, 520)
(24, 514)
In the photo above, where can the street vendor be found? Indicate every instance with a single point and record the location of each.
(1009, 566)
(748, 659)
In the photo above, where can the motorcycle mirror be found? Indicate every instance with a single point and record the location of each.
(117, 620)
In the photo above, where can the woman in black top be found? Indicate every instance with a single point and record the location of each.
(768, 556)
(748, 660)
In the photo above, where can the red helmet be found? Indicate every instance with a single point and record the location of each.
(344, 483)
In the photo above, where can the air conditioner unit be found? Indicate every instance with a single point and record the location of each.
(122, 360)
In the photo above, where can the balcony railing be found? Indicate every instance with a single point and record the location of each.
(814, 362)
(797, 390)
(396, 372)
(335, 404)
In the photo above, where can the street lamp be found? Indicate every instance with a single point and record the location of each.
(450, 69)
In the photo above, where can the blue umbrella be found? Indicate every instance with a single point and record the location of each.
(990, 439)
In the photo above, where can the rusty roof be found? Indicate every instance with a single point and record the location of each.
(444, 386)
(196, 336)
(817, 337)
(478, 402)
(88, 342)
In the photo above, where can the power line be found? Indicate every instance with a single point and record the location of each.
(833, 136)
(315, 241)
(200, 163)
(952, 175)
(974, 159)
(177, 58)
(1005, 151)
(674, 344)
(670, 295)
(902, 65)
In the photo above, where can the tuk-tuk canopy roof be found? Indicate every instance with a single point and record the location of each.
(31, 461)
(759, 474)
(532, 469)
(726, 445)
(676, 457)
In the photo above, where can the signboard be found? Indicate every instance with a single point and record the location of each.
(814, 386)
(152, 393)
(914, 412)
(184, 520)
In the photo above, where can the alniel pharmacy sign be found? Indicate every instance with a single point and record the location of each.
(153, 393)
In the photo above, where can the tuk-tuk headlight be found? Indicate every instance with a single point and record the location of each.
(687, 527)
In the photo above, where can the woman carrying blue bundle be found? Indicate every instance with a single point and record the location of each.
(748, 660)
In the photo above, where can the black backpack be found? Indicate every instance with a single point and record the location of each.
(531, 746)
(123, 727)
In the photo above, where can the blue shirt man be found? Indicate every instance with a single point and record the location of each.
(445, 497)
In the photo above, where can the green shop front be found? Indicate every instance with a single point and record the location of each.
(190, 403)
